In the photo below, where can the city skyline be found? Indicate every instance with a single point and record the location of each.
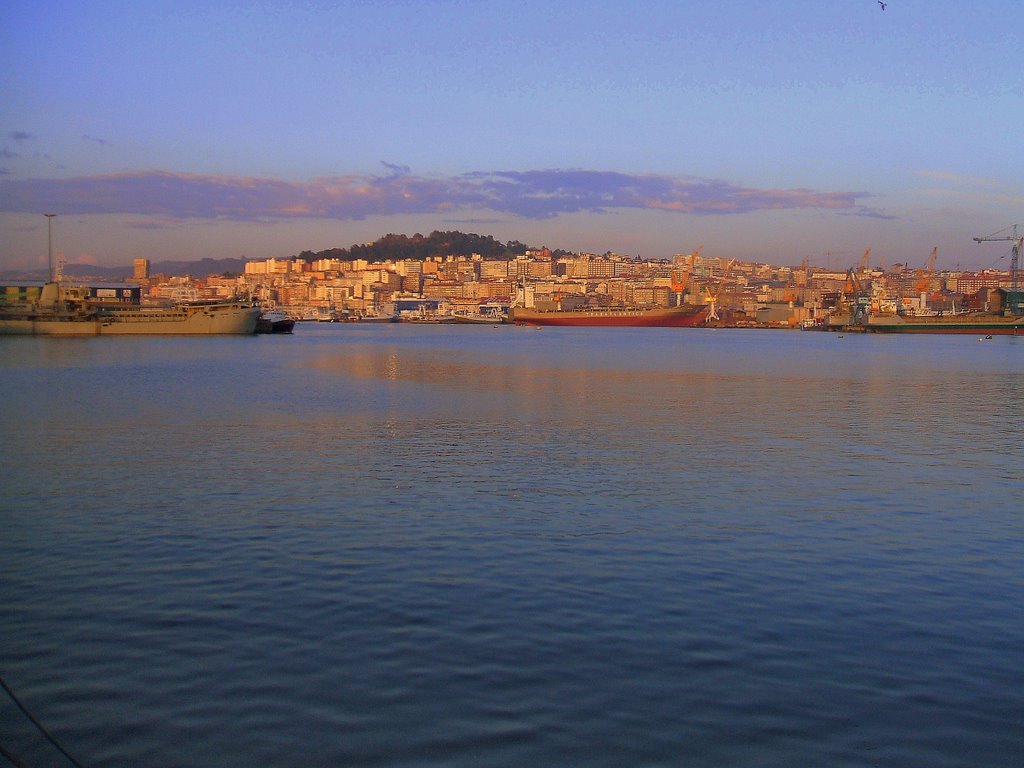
(770, 131)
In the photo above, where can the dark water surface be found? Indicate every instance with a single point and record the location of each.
(477, 546)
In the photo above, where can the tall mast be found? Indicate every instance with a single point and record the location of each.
(49, 242)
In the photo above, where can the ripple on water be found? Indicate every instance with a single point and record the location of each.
(406, 547)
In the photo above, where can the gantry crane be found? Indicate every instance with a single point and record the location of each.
(1018, 243)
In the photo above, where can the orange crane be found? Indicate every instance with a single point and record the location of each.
(924, 276)
(853, 285)
(682, 278)
(864, 260)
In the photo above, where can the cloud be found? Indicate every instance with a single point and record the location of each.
(959, 179)
(96, 140)
(868, 213)
(151, 224)
(397, 170)
(541, 194)
(20, 135)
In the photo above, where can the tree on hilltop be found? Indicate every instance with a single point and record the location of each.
(419, 248)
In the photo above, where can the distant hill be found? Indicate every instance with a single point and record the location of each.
(201, 268)
(419, 247)
(390, 247)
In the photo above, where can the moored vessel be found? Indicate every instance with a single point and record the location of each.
(371, 318)
(478, 319)
(685, 316)
(274, 321)
(61, 310)
(964, 322)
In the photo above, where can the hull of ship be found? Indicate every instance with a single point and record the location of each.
(478, 320)
(428, 319)
(999, 326)
(217, 319)
(674, 317)
(266, 325)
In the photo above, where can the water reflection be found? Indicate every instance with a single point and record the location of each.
(704, 548)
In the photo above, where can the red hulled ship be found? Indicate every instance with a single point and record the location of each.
(686, 316)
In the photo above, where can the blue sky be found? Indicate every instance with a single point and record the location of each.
(764, 130)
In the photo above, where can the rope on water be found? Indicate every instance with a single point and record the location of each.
(38, 725)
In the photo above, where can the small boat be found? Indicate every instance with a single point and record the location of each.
(477, 318)
(274, 321)
(373, 318)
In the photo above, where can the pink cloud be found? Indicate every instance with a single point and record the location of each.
(529, 194)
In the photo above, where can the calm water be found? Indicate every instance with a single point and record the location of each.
(476, 546)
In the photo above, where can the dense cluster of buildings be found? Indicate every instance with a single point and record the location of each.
(748, 292)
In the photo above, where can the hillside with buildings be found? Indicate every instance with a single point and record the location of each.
(469, 274)
(743, 293)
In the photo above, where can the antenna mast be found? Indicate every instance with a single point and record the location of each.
(49, 243)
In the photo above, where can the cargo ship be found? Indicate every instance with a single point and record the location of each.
(62, 310)
(966, 322)
(685, 316)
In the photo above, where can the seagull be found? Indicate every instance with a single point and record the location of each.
(881, 4)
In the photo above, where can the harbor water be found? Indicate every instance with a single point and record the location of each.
(415, 545)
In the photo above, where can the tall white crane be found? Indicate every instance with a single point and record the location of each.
(1018, 243)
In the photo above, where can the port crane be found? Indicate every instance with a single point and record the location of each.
(924, 276)
(682, 278)
(857, 298)
(864, 262)
(712, 299)
(1018, 243)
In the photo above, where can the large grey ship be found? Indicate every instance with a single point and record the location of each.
(63, 310)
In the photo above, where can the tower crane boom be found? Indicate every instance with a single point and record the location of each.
(1018, 243)
(924, 276)
(864, 260)
(712, 299)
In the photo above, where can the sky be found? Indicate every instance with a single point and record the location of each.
(762, 130)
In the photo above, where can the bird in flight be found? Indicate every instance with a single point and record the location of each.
(881, 4)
